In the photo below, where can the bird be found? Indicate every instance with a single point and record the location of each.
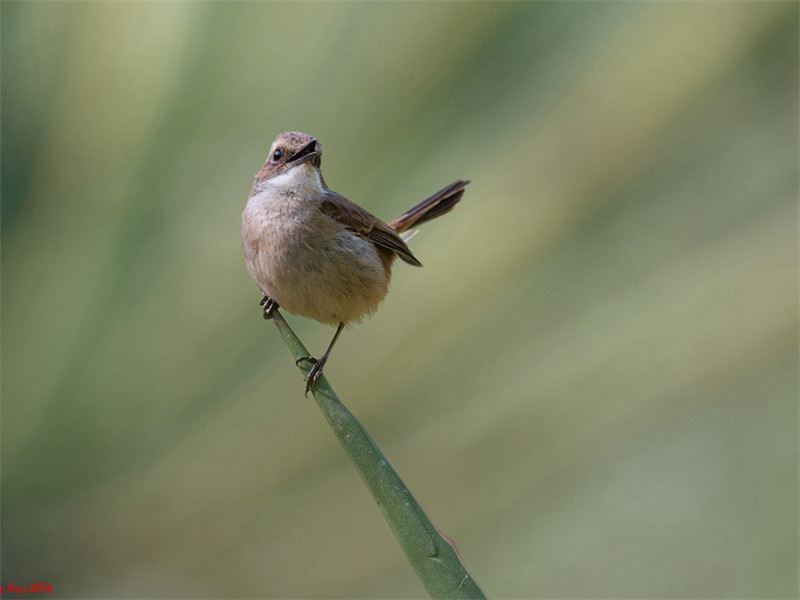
(314, 252)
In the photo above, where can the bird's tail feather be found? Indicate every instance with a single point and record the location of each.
(436, 205)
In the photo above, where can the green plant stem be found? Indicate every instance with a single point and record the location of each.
(433, 556)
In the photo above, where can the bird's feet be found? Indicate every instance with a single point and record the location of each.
(314, 372)
(269, 306)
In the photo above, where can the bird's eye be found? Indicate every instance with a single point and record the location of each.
(276, 156)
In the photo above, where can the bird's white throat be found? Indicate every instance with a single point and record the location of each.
(303, 179)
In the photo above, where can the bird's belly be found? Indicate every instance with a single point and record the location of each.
(315, 271)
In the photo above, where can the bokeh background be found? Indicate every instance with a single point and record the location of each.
(592, 384)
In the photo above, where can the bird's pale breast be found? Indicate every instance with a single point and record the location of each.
(310, 264)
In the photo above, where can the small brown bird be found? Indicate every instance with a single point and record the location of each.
(316, 253)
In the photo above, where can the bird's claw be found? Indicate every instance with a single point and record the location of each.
(269, 307)
(313, 373)
(304, 358)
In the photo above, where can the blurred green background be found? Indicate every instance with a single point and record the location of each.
(592, 384)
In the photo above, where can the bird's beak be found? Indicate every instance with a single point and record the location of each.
(306, 153)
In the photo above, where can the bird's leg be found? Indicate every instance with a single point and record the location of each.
(269, 305)
(317, 364)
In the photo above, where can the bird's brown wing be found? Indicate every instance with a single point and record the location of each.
(365, 224)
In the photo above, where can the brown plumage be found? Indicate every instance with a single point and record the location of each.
(313, 251)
